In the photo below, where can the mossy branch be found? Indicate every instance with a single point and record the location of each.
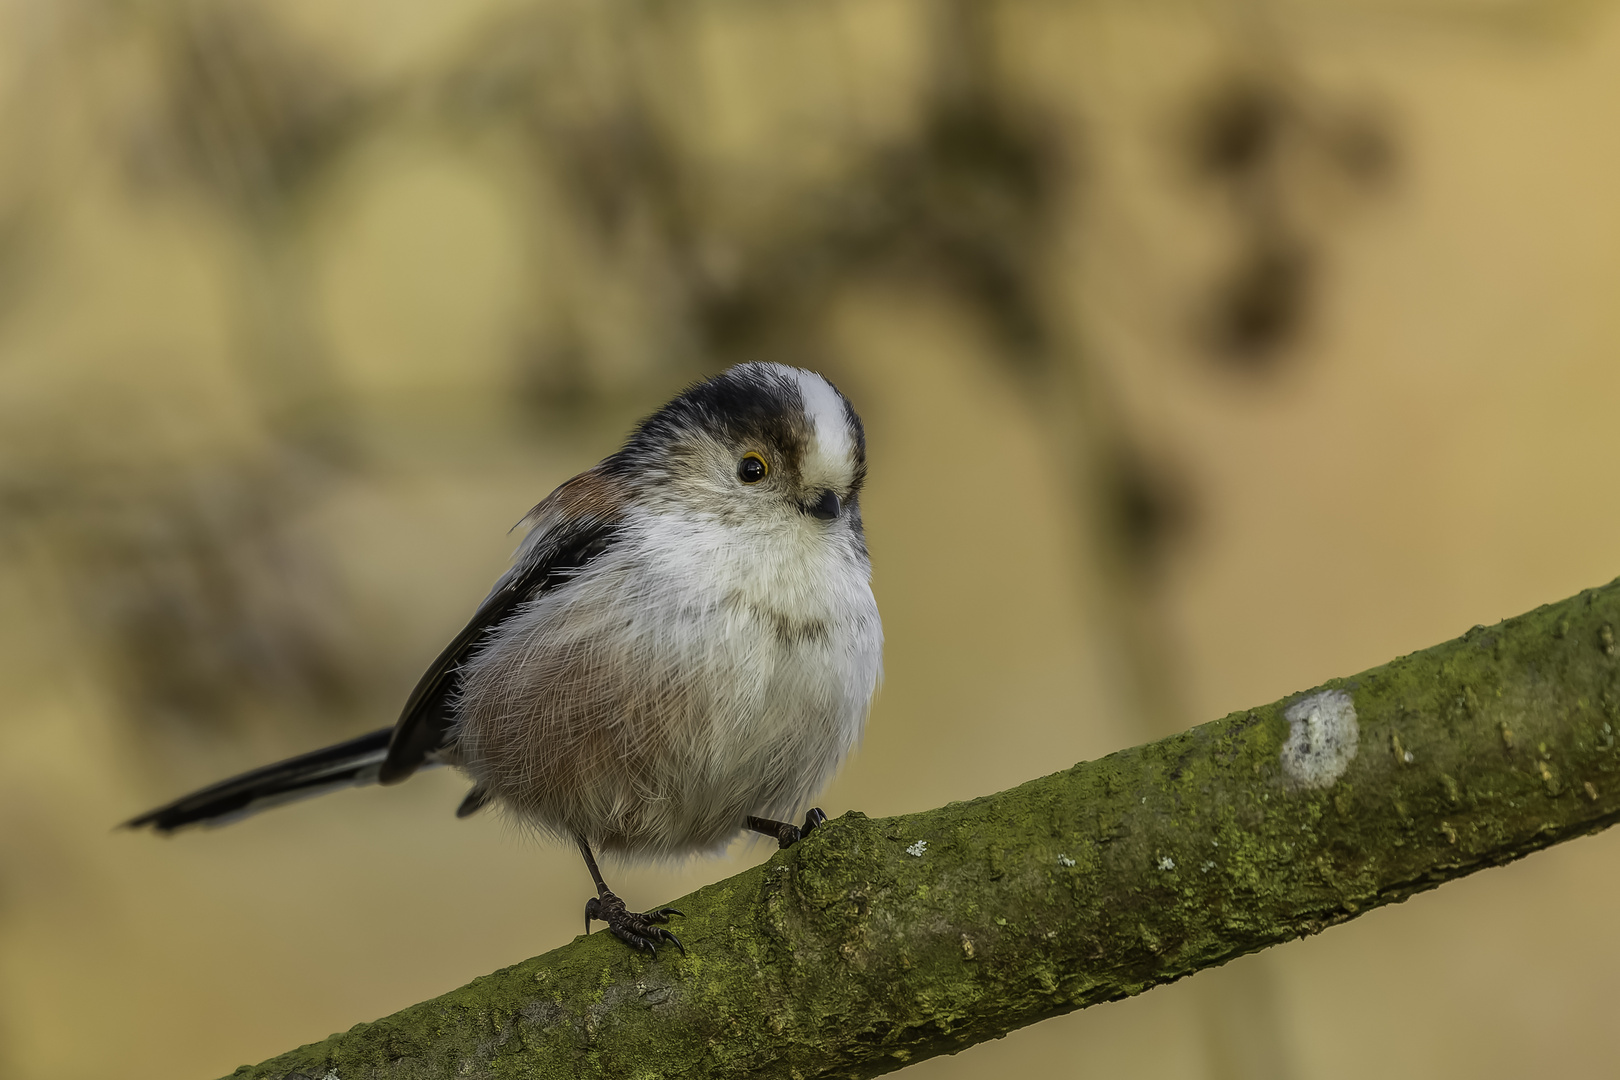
(875, 943)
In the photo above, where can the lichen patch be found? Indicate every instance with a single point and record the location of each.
(1323, 734)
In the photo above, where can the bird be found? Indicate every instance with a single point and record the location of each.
(684, 649)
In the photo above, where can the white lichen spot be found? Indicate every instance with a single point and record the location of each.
(1064, 860)
(1166, 863)
(1322, 737)
(918, 848)
(1407, 757)
(1207, 867)
(331, 1074)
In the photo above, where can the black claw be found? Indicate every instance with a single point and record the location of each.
(602, 909)
(637, 930)
(788, 835)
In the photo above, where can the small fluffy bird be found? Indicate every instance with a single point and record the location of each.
(685, 647)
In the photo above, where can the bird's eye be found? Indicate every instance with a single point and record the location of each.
(752, 468)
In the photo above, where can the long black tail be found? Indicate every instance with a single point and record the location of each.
(348, 764)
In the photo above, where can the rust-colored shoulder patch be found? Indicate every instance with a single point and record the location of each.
(592, 495)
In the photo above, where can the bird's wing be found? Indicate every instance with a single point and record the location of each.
(573, 525)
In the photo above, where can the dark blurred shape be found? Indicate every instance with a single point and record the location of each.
(964, 199)
(204, 607)
(208, 611)
(1365, 148)
(972, 200)
(586, 133)
(620, 166)
(1260, 308)
(1152, 509)
(961, 202)
(1236, 128)
(1275, 151)
(249, 111)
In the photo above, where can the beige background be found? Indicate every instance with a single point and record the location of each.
(263, 431)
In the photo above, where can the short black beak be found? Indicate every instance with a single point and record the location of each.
(826, 507)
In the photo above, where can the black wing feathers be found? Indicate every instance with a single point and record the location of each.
(429, 711)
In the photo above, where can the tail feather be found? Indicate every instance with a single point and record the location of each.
(348, 764)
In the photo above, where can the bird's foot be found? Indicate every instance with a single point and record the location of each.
(636, 929)
(788, 834)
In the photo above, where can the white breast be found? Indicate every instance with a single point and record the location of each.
(694, 674)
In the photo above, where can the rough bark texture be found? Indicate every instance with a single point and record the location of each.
(876, 943)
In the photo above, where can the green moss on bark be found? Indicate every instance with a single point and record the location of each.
(879, 942)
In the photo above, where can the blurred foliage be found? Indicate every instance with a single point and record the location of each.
(249, 113)
(655, 258)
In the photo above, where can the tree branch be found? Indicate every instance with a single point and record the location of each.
(879, 942)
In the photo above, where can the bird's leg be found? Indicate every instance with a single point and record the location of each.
(786, 834)
(635, 929)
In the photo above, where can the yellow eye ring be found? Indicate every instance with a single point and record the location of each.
(752, 468)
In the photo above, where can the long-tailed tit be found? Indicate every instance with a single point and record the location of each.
(685, 647)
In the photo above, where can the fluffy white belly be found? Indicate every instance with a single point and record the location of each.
(688, 677)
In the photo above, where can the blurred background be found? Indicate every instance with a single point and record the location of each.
(1206, 350)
